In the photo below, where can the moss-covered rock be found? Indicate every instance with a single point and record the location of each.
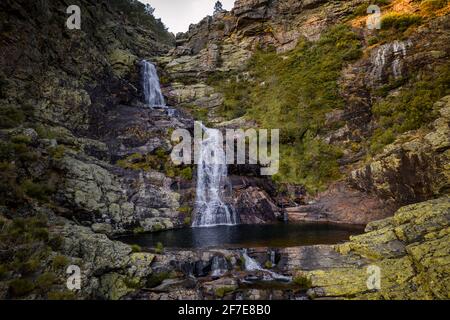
(411, 250)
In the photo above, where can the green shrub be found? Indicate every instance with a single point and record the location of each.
(3, 271)
(399, 21)
(292, 92)
(361, 10)
(56, 242)
(159, 248)
(138, 230)
(20, 287)
(61, 295)
(156, 279)
(11, 116)
(60, 262)
(186, 173)
(302, 281)
(45, 281)
(429, 6)
(411, 107)
(223, 291)
(187, 221)
(57, 152)
(38, 191)
(132, 283)
(21, 138)
(136, 248)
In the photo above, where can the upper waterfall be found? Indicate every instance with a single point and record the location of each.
(212, 181)
(151, 86)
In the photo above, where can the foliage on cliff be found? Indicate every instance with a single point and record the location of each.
(293, 92)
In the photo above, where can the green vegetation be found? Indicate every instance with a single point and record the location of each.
(400, 21)
(141, 14)
(45, 281)
(361, 10)
(138, 230)
(61, 295)
(21, 287)
(293, 92)
(25, 243)
(235, 93)
(302, 281)
(11, 116)
(411, 107)
(136, 248)
(39, 191)
(156, 279)
(60, 262)
(158, 161)
(430, 6)
(159, 248)
(223, 291)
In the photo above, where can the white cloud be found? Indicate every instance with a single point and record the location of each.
(177, 15)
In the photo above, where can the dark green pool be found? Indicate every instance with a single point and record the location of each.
(280, 235)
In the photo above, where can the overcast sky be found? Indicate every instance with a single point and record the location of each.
(177, 15)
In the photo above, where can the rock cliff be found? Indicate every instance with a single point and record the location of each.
(364, 119)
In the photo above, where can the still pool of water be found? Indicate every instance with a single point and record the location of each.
(279, 235)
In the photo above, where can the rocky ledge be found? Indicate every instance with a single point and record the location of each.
(410, 250)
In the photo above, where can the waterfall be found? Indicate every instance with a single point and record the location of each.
(212, 181)
(153, 96)
(150, 83)
(219, 266)
(252, 265)
(387, 56)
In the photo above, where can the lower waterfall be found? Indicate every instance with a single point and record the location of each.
(210, 209)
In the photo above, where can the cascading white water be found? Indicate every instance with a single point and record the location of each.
(252, 265)
(150, 83)
(153, 96)
(389, 55)
(210, 209)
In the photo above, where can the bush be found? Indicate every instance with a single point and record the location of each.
(11, 117)
(136, 248)
(411, 107)
(21, 139)
(61, 295)
(429, 6)
(60, 262)
(159, 248)
(186, 173)
(223, 291)
(38, 191)
(57, 152)
(156, 279)
(293, 92)
(399, 21)
(302, 281)
(45, 281)
(20, 287)
(3, 271)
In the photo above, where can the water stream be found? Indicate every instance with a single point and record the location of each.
(212, 183)
(153, 96)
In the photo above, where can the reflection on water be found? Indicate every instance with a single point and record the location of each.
(246, 236)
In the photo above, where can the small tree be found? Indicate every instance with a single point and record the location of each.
(149, 9)
(218, 7)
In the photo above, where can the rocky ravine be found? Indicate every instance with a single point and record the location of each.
(411, 249)
(82, 160)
